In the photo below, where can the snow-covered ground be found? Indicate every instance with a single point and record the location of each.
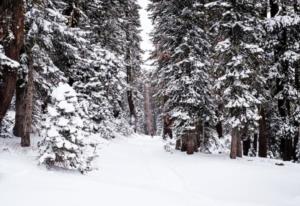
(137, 171)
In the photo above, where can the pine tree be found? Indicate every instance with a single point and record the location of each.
(65, 144)
(282, 43)
(239, 68)
(182, 46)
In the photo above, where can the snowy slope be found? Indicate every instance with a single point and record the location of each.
(137, 171)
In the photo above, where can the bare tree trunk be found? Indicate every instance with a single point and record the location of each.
(274, 7)
(24, 96)
(219, 128)
(246, 146)
(167, 127)
(263, 136)
(11, 18)
(234, 143)
(148, 111)
(239, 146)
(132, 112)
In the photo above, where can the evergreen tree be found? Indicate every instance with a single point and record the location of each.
(182, 46)
(239, 63)
(283, 45)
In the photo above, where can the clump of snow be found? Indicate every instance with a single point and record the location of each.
(7, 62)
(65, 142)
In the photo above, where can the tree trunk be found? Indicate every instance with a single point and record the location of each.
(219, 128)
(246, 146)
(190, 146)
(263, 137)
(239, 147)
(132, 112)
(274, 7)
(255, 144)
(24, 97)
(287, 147)
(12, 17)
(167, 127)
(149, 120)
(234, 143)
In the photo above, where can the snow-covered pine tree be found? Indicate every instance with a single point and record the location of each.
(183, 81)
(283, 29)
(70, 47)
(239, 63)
(133, 60)
(65, 144)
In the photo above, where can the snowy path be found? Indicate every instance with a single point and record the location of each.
(137, 171)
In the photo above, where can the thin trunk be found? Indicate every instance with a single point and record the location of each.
(239, 146)
(24, 96)
(219, 128)
(246, 146)
(148, 111)
(167, 127)
(274, 7)
(263, 137)
(234, 142)
(255, 144)
(132, 112)
(11, 18)
(287, 147)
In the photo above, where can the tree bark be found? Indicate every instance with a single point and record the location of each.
(234, 143)
(239, 146)
(24, 106)
(219, 128)
(149, 120)
(246, 146)
(274, 7)
(263, 136)
(11, 20)
(132, 112)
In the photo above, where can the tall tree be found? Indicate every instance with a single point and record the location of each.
(239, 67)
(12, 39)
(184, 84)
(282, 43)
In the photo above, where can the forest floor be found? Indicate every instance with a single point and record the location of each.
(137, 171)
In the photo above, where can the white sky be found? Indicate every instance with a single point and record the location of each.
(147, 27)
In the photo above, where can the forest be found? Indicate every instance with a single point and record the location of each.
(222, 78)
(73, 69)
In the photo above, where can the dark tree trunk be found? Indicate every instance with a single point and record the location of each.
(274, 7)
(255, 144)
(234, 143)
(24, 96)
(287, 147)
(190, 146)
(246, 146)
(132, 112)
(167, 127)
(296, 6)
(263, 135)
(219, 128)
(239, 147)
(12, 16)
(295, 144)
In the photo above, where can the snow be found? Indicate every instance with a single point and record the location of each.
(5, 61)
(137, 171)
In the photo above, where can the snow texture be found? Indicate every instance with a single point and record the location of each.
(137, 171)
